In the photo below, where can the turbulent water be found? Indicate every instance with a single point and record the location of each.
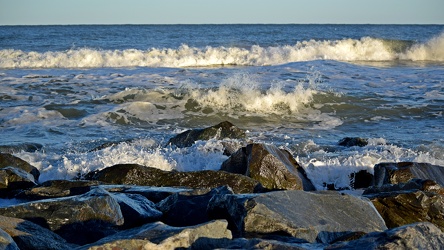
(64, 90)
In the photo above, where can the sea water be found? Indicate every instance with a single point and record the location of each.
(65, 90)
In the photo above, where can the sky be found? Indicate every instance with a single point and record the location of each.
(40, 12)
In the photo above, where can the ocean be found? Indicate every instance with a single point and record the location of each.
(65, 90)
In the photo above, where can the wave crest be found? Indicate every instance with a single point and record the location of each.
(364, 49)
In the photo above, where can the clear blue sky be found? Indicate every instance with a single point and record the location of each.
(14, 12)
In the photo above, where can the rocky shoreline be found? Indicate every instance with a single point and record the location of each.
(259, 199)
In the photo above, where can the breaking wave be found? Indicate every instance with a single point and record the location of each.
(348, 50)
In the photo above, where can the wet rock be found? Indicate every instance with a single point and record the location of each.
(28, 235)
(412, 185)
(154, 194)
(136, 209)
(220, 131)
(313, 217)
(421, 235)
(8, 160)
(13, 179)
(353, 142)
(78, 219)
(133, 174)
(6, 241)
(185, 210)
(158, 235)
(57, 189)
(257, 243)
(401, 208)
(393, 173)
(274, 168)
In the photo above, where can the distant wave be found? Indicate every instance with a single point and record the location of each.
(348, 50)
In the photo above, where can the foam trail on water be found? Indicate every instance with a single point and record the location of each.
(364, 49)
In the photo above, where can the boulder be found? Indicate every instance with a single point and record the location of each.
(158, 235)
(402, 208)
(13, 179)
(133, 174)
(353, 142)
(220, 131)
(181, 210)
(393, 173)
(8, 160)
(314, 217)
(274, 168)
(28, 235)
(423, 235)
(6, 241)
(57, 189)
(78, 219)
(136, 209)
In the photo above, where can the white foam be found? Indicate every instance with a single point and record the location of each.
(364, 49)
(336, 167)
(204, 155)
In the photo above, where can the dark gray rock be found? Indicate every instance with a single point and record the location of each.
(220, 131)
(158, 235)
(133, 174)
(13, 179)
(421, 235)
(28, 235)
(315, 217)
(353, 142)
(402, 208)
(78, 219)
(6, 241)
(136, 209)
(394, 173)
(154, 194)
(274, 168)
(181, 210)
(8, 160)
(57, 189)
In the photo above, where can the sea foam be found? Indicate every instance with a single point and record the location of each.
(349, 50)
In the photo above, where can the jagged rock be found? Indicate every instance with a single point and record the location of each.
(13, 179)
(8, 160)
(220, 131)
(6, 241)
(401, 208)
(78, 219)
(56, 189)
(133, 174)
(274, 168)
(158, 235)
(315, 217)
(422, 235)
(412, 185)
(185, 210)
(353, 141)
(28, 235)
(393, 173)
(136, 209)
